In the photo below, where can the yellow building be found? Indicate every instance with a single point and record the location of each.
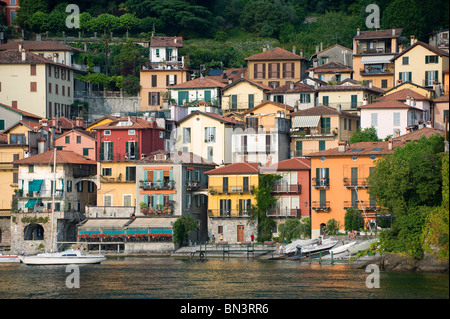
(243, 95)
(264, 114)
(101, 121)
(117, 185)
(207, 135)
(373, 52)
(276, 67)
(446, 81)
(422, 64)
(230, 197)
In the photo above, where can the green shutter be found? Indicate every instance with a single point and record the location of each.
(323, 198)
(208, 96)
(436, 75)
(426, 78)
(251, 101)
(410, 76)
(354, 178)
(325, 100)
(354, 101)
(127, 174)
(112, 152)
(102, 150)
(427, 59)
(234, 102)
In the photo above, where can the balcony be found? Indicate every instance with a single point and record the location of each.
(313, 133)
(120, 178)
(368, 205)
(376, 71)
(287, 188)
(320, 206)
(230, 190)
(355, 183)
(118, 157)
(193, 185)
(321, 183)
(148, 185)
(284, 212)
(228, 213)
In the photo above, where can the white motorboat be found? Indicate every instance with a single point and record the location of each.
(361, 246)
(342, 248)
(314, 248)
(62, 258)
(9, 258)
(292, 247)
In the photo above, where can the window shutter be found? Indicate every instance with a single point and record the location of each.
(102, 150)
(111, 152)
(270, 70)
(427, 59)
(278, 70)
(264, 70)
(175, 79)
(293, 70)
(426, 78)
(255, 70)
(127, 173)
(167, 80)
(410, 76)
(436, 76)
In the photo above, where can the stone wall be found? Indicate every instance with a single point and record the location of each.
(149, 248)
(230, 228)
(100, 106)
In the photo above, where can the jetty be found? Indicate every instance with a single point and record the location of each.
(225, 250)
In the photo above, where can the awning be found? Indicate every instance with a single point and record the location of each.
(306, 121)
(152, 223)
(35, 185)
(103, 223)
(376, 59)
(33, 202)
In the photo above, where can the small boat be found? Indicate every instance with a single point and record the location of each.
(9, 258)
(292, 247)
(342, 248)
(62, 258)
(361, 246)
(314, 248)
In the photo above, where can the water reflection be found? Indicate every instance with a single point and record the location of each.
(170, 278)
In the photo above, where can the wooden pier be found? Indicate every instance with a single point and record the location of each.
(224, 249)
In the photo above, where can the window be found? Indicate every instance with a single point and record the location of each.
(131, 149)
(33, 86)
(325, 100)
(30, 168)
(80, 187)
(322, 176)
(274, 70)
(49, 88)
(268, 143)
(107, 132)
(323, 198)
(68, 91)
(2, 124)
(157, 53)
(405, 76)
(384, 84)
(106, 151)
(17, 139)
(430, 77)
(288, 70)
(325, 125)
(321, 145)
(127, 200)
(85, 151)
(274, 84)
(131, 132)
(405, 60)
(305, 98)
(56, 72)
(107, 200)
(154, 81)
(210, 134)
(130, 173)
(153, 98)
(396, 119)
(56, 89)
(67, 139)
(260, 71)
(374, 119)
(251, 101)
(345, 124)
(431, 59)
(78, 139)
(186, 135)
(69, 186)
(349, 124)
(33, 69)
(234, 102)
(171, 79)
(106, 171)
(252, 122)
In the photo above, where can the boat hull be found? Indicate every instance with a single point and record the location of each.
(361, 246)
(317, 248)
(37, 260)
(9, 259)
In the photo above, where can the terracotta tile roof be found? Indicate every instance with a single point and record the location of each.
(39, 46)
(417, 134)
(427, 46)
(388, 104)
(236, 168)
(166, 42)
(292, 164)
(374, 34)
(218, 117)
(361, 148)
(199, 83)
(327, 88)
(274, 54)
(32, 125)
(15, 57)
(442, 98)
(233, 73)
(279, 105)
(175, 157)
(401, 95)
(89, 134)
(321, 110)
(336, 45)
(299, 87)
(62, 157)
(3, 138)
(138, 123)
(331, 67)
(24, 113)
(259, 85)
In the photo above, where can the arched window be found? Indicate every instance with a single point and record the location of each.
(33, 232)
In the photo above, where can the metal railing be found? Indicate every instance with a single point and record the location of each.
(321, 182)
(368, 205)
(148, 185)
(228, 213)
(230, 190)
(284, 212)
(287, 188)
(320, 206)
(358, 182)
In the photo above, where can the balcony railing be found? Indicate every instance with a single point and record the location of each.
(369, 71)
(365, 50)
(358, 182)
(230, 190)
(148, 185)
(321, 183)
(320, 206)
(368, 205)
(193, 185)
(228, 213)
(285, 212)
(287, 188)
(107, 157)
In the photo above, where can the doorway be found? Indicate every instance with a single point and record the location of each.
(240, 233)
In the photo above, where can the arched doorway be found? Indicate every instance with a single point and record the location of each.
(322, 229)
(33, 232)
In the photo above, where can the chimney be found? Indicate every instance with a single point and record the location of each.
(358, 31)
(175, 40)
(293, 49)
(413, 102)
(264, 48)
(301, 53)
(41, 145)
(412, 40)
(291, 85)
(408, 100)
(393, 31)
(317, 48)
(321, 46)
(79, 122)
(24, 55)
(390, 142)
(230, 80)
(364, 101)
(342, 146)
(400, 48)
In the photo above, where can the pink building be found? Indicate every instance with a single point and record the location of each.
(293, 188)
(78, 141)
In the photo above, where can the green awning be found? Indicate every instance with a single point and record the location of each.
(33, 202)
(35, 185)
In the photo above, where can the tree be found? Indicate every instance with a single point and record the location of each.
(182, 228)
(410, 176)
(128, 21)
(27, 9)
(406, 14)
(368, 134)
(294, 228)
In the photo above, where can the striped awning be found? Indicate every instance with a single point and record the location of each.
(306, 121)
(102, 223)
(376, 59)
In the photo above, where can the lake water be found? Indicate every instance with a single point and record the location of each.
(178, 278)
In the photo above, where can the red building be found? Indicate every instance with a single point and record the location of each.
(9, 8)
(128, 139)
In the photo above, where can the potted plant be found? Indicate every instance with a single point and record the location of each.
(143, 207)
